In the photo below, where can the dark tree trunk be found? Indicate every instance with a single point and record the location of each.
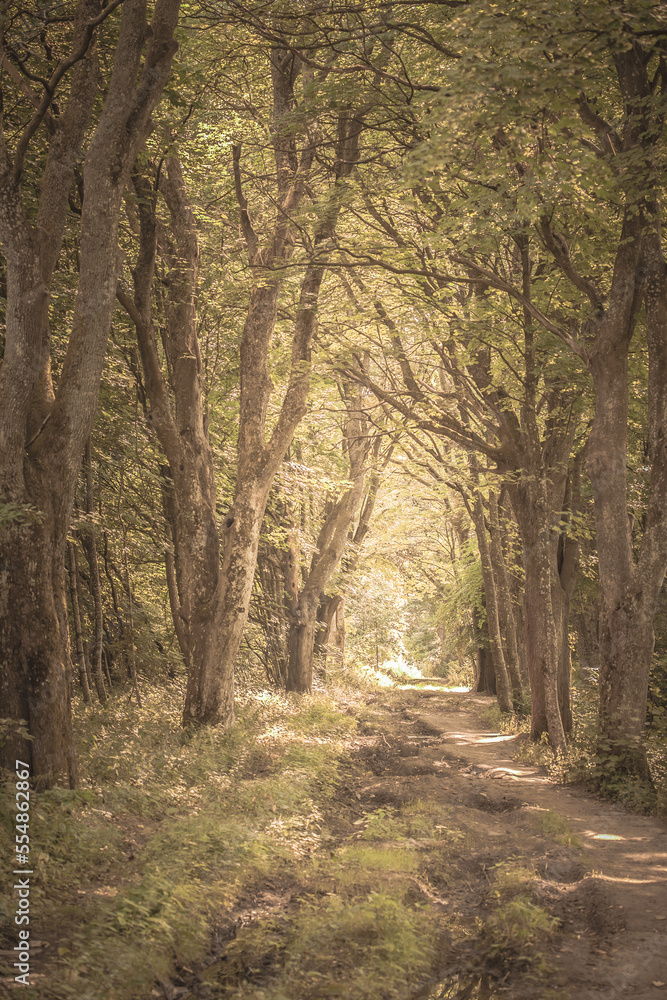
(543, 649)
(503, 687)
(89, 542)
(76, 621)
(485, 677)
(42, 433)
(505, 609)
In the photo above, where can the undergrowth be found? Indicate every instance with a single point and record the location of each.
(167, 829)
(134, 871)
(587, 761)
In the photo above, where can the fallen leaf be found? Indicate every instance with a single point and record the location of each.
(657, 983)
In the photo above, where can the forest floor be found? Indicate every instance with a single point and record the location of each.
(429, 865)
(601, 871)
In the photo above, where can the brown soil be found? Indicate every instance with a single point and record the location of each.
(608, 889)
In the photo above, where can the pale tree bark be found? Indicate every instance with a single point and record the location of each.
(330, 635)
(42, 432)
(330, 545)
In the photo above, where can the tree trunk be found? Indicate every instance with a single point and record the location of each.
(330, 634)
(542, 645)
(214, 599)
(331, 542)
(42, 434)
(89, 542)
(629, 590)
(514, 562)
(503, 688)
(76, 619)
(505, 609)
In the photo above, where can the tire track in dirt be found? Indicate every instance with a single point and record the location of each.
(609, 890)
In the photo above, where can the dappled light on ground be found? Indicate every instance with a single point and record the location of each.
(473, 738)
(461, 988)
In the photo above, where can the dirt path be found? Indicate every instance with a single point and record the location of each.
(601, 871)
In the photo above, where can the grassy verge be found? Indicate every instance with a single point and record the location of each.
(583, 764)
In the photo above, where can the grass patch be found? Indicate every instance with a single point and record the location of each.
(362, 949)
(553, 825)
(513, 932)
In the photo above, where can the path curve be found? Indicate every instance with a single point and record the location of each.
(623, 857)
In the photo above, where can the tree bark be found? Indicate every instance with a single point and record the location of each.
(535, 513)
(89, 542)
(329, 549)
(485, 677)
(629, 588)
(76, 620)
(503, 686)
(42, 433)
(505, 609)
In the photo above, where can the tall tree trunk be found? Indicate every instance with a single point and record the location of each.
(485, 677)
(330, 634)
(629, 589)
(503, 686)
(505, 609)
(42, 434)
(89, 542)
(331, 609)
(329, 548)
(542, 646)
(76, 619)
(514, 561)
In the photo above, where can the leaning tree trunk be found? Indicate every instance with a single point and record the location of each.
(331, 542)
(331, 609)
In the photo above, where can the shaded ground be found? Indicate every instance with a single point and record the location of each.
(531, 891)
(598, 870)
(608, 887)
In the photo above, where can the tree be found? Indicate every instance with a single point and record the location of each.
(333, 535)
(43, 429)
